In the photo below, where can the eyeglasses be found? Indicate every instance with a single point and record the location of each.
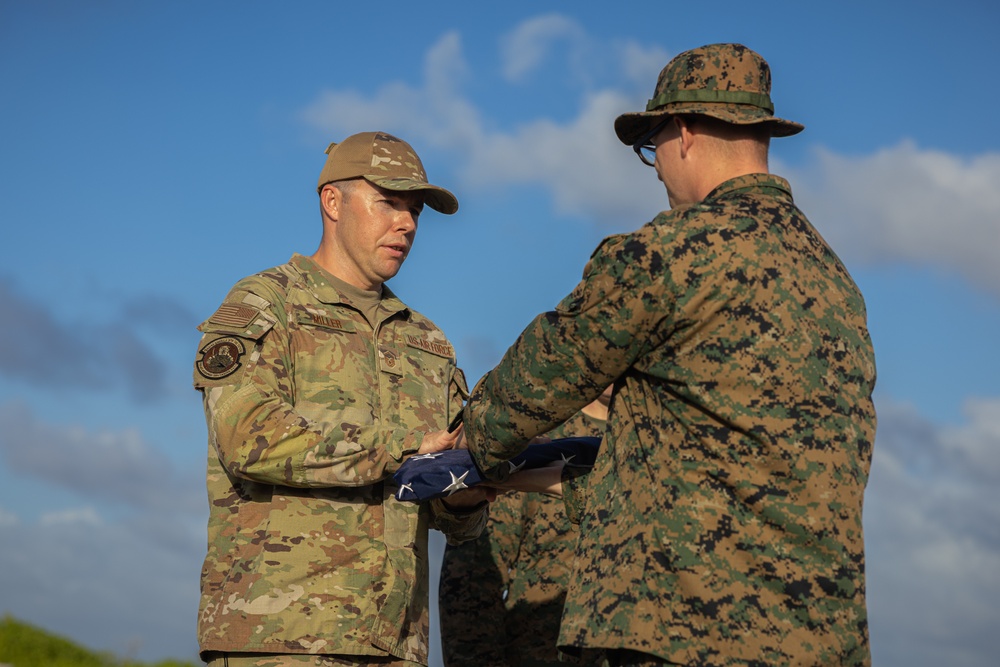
(645, 148)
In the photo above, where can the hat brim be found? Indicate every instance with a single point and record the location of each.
(436, 197)
(630, 127)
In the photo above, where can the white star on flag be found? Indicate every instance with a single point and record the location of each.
(457, 483)
(514, 467)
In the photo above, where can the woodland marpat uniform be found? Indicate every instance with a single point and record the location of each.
(501, 595)
(722, 523)
(310, 409)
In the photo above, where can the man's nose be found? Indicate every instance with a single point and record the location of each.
(406, 221)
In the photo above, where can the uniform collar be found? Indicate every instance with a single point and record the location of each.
(754, 183)
(317, 281)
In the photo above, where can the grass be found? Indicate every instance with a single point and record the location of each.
(24, 645)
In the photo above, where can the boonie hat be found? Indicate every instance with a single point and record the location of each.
(725, 81)
(386, 161)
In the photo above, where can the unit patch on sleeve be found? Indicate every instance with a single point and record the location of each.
(221, 357)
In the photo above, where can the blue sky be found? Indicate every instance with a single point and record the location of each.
(151, 154)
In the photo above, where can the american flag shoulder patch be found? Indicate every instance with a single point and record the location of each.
(237, 315)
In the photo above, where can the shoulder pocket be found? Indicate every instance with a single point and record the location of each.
(230, 335)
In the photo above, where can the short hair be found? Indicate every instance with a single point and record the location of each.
(346, 186)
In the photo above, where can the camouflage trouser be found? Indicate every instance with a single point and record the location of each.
(301, 660)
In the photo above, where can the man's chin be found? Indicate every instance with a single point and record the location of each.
(390, 272)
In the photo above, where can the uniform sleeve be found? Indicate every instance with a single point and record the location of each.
(566, 357)
(242, 372)
(474, 578)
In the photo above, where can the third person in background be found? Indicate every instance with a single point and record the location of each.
(501, 595)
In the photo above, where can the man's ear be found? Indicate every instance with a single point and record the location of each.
(687, 136)
(330, 198)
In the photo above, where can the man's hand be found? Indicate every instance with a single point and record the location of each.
(547, 480)
(438, 441)
(468, 498)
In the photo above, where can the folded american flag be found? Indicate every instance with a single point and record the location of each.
(426, 476)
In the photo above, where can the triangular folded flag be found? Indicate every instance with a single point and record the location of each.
(437, 475)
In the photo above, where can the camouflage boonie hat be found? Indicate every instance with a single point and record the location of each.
(386, 161)
(725, 81)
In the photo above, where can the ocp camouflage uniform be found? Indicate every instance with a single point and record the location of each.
(723, 520)
(501, 595)
(310, 409)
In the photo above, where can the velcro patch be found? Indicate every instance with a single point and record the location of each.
(390, 362)
(236, 315)
(439, 349)
(221, 357)
(325, 321)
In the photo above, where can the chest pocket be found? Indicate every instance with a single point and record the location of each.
(425, 373)
(331, 360)
(323, 342)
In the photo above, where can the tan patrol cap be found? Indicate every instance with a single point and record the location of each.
(386, 161)
(726, 81)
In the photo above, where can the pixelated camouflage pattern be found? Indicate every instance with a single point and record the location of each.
(500, 597)
(723, 523)
(308, 550)
(738, 75)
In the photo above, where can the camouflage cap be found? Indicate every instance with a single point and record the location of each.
(386, 161)
(726, 81)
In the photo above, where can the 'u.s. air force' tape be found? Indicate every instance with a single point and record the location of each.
(438, 475)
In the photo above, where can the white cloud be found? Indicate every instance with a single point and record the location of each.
(904, 204)
(524, 48)
(432, 114)
(932, 529)
(76, 516)
(977, 444)
(106, 585)
(40, 350)
(118, 571)
(585, 60)
(586, 168)
(641, 66)
(589, 172)
(8, 518)
(116, 467)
